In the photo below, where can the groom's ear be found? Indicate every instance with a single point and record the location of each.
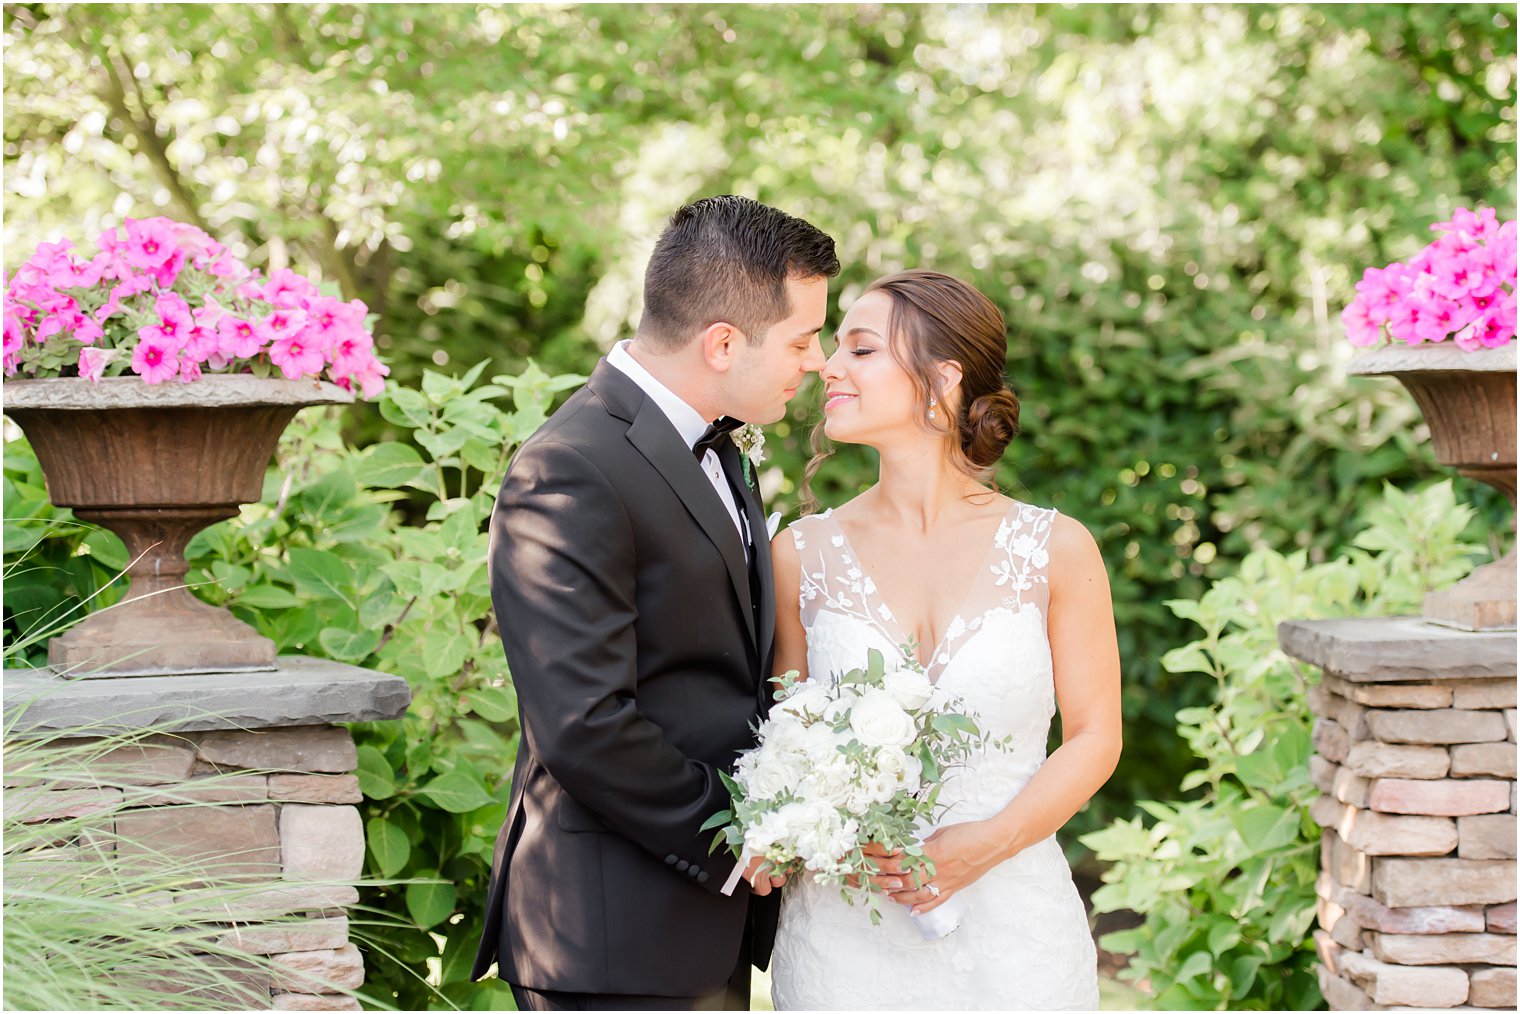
(720, 343)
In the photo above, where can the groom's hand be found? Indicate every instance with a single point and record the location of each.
(761, 885)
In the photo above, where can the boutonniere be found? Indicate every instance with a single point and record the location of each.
(750, 440)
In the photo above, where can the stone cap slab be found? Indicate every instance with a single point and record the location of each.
(214, 391)
(1395, 649)
(299, 691)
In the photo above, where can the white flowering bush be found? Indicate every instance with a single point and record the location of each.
(843, 764)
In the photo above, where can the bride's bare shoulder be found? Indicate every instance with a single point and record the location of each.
(1072, 549)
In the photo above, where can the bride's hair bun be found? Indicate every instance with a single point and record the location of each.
(990, 423)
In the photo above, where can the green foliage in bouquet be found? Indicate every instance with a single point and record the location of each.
(1226, 881)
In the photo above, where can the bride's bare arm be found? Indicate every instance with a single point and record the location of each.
(791, 643)
(1085, 653)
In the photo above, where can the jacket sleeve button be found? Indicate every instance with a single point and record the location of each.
(702, 877)
(670, 860)
(683, 865)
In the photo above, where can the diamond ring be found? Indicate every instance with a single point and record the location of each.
(932, 889)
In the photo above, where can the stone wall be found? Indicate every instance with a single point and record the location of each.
(1416, 766)
(285, 827)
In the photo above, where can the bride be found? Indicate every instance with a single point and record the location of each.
(1007, 607)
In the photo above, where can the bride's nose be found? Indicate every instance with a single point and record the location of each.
(833, 368)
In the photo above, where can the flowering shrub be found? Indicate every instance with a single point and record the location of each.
(166, 301)
(1462, 286)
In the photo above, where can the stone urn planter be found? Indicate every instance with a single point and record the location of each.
(1468, 400)
(155, 464)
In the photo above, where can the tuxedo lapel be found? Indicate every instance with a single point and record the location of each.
(657, 440)
(755, 513)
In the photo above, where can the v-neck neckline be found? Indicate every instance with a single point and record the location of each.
(901, 639)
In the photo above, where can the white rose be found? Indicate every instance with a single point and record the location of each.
(878, 720)
(906, 770)
(783, 732)
(830, 782)
(807, 701)
(910, 689)
(820, 745)
(770, 773)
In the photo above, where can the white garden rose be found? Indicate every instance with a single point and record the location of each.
(830, 782)
(878, 720)
(904, 768)
(909, 688)
(820, 744)
(807, 701)
(769, 771)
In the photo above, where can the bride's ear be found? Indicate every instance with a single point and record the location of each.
(949, 376)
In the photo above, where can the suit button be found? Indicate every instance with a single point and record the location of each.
(670, 860)
(702, 877)
(693, 872)
(683, 866)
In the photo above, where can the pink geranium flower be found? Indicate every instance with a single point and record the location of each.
(155, 360)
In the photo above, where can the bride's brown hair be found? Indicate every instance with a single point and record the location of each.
(935, 319)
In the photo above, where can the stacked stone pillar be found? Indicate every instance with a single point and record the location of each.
(1415, 752)
(267, 749)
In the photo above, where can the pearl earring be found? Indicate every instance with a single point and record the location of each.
(932, 403)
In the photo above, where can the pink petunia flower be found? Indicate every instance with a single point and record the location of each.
(175, 324)
(150, 242)
(285, 288)
(296, 356)
(155, 360)
(1477, 225)
(1363, 327)
(239, 339)
(93, 361)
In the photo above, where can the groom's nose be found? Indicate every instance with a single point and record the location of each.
(815, 359)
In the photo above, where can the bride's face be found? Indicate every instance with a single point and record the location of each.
(868, 396)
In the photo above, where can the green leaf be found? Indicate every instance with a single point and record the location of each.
(348, 645)
(391, 464)
(494, 704)
(376, 779)
(267, 596)
(430, 904)
(387, 844)
(320, 573)
(457, 792)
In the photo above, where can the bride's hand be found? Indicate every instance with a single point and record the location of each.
(961, 854)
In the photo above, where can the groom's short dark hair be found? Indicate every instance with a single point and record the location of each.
(727, 259)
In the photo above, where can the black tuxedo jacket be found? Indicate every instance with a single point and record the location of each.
(640, 660)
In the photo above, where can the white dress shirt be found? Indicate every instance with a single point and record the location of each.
(689, 424)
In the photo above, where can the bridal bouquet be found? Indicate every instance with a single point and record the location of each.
(165, 301)
(841, 765)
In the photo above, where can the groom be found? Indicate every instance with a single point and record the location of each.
(631, 578)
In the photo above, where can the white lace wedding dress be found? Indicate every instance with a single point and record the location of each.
(1023, 942)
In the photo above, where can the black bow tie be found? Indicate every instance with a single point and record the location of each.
(715, 436)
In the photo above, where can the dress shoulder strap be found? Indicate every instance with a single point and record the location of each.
(822, 560)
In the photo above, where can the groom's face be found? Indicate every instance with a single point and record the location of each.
(768, 374)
